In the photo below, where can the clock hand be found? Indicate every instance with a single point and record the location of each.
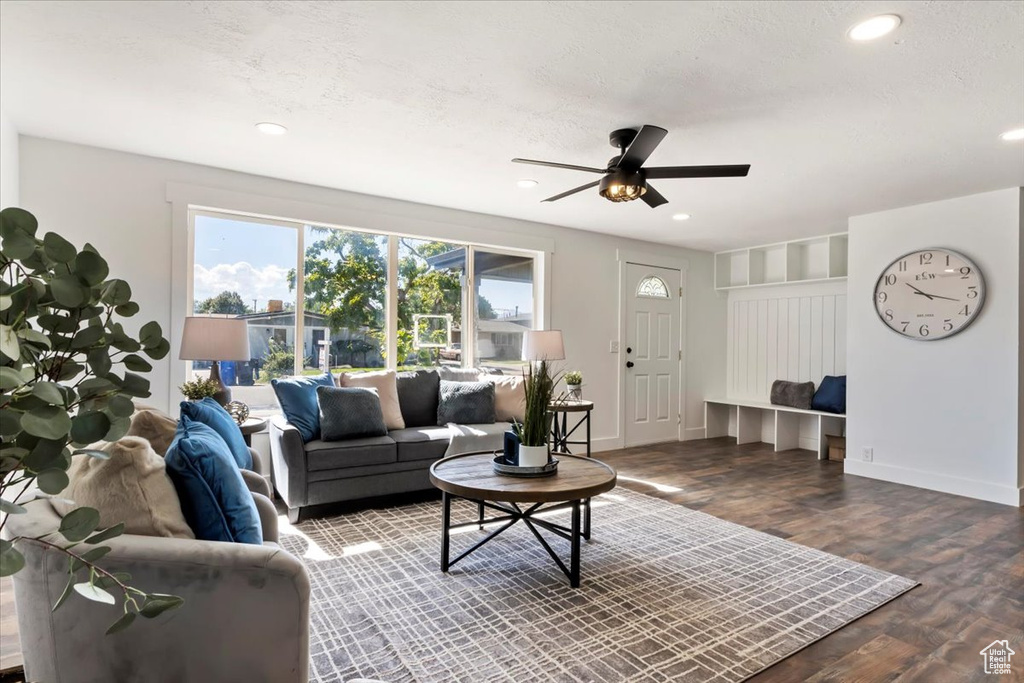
(918, 291)
(936, 296)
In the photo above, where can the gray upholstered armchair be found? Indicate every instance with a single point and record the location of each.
(245, 617)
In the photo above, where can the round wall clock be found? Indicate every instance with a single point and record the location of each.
(929, 294)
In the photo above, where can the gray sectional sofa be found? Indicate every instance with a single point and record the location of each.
(321, 472)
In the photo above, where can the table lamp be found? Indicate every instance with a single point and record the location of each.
(215, 339)
(543, 345)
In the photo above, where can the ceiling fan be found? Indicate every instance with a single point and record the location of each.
(625, 177)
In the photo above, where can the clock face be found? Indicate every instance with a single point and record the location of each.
(929, 294)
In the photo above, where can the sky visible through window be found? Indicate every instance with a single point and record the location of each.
(253, 259)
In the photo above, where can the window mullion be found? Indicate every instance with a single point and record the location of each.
(469, 310)
(300, 301)
(391, 303)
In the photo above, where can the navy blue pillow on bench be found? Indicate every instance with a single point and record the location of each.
(831, 395)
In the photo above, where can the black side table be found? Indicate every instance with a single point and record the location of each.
(561, 433)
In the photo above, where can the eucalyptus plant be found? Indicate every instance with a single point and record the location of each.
(68, 374)
(539, 385)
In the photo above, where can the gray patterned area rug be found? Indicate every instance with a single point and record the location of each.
(668, 594)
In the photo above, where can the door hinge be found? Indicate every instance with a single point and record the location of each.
(680, 292)
(680, 354)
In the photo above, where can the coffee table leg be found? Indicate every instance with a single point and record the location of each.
(446, 520)
(586, 519)
(480, 514)
(574, 563)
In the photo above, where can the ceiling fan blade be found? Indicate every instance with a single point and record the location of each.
(653, 198)
(553, 164)
(642, 146)
(697, 171)
(573, 191)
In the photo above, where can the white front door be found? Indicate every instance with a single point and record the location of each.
(651, 354)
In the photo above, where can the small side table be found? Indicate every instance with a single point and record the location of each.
(560, 432)
(251, 426)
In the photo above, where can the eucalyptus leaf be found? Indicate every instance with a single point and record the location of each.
(87, 337)
(10, 422)
(158, 604)
(91, 268)
(119, 426)
(107, 534)
(46, 454)
(95, 593)
(11, 561)
(58, 249)
(15, 219)
(47, 422)
(99, 360)
(136, 363)
(67, 292)
(89, 427)
(10, 508)
(52, 481)
(49, 392)
(11, 378)
(89, 557)
(92, 453)
(78, 524)
(121, 406)
(135, 385)
(150, 334)
(10, 348)
(66, 594)
(70, 370)
(121, 624)
(158, 350)
(18, 245)
(116, 293)
(127, 310)
(34, 337)
(57, 323)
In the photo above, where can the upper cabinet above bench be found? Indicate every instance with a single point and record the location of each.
(818, 259)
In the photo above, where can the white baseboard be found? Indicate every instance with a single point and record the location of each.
(694, 433)
(982, 490)
(607, 443)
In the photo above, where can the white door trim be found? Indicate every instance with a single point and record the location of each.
(626, 256)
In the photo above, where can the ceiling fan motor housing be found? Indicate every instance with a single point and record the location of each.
(622, 186)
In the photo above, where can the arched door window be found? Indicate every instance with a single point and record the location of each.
(652, 287)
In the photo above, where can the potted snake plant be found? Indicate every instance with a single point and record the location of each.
(533, 431)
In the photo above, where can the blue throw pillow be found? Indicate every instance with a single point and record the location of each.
(297, 396)
(213, 415)
(831, 395)
(214, 498)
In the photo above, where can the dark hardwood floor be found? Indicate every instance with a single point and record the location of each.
(967, 554)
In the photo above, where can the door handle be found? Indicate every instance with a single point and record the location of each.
(629, 363)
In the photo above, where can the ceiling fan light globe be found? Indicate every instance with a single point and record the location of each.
(622, 187)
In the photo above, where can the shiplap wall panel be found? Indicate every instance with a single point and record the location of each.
(775, 334)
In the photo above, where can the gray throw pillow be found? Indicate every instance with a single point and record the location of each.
(349, 412)
(418, 395)
(792, 394)
(465, 403)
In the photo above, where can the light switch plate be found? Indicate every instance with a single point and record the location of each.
(868, 455)
(613, 346)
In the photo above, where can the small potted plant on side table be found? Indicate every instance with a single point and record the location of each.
(574, 383)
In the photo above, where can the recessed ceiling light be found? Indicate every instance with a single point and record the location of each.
(271, 128)
(681, 217)
(875, 27)
(1013, 135)
(526, 183)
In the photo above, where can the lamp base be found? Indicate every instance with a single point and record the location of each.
(223, 395)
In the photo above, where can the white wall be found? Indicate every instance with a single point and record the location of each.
(943, 415)
(119, 203)
(8, 163)
(791, 332)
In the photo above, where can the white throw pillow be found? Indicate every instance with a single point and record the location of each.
(386, 384)
(132, 486)
(509, 396)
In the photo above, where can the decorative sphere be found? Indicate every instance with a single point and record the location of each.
(238, 410)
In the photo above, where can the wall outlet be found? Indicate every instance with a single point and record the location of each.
(867, 455)
(613, 346)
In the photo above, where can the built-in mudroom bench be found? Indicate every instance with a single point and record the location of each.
(785, 427)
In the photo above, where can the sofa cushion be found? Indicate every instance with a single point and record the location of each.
(349, 412)
(417, 395)
(154, 426)
(297, 397)
(831, 395)
(509, 396)
(213, 415)
(366, 471)
(214, 498)
(469, 438)
(465, 402)
(130, 486)
(423, 443)
(386, 384)
(332, 455)
(450, 374)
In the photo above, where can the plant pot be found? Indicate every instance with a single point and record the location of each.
(575, 391)
(533, 456)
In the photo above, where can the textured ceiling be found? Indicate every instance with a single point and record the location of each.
(429, 101)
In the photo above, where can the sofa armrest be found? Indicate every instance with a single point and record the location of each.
(257, 460)
(245, 614)
(256, 483)
(288, 462)
(268, 516)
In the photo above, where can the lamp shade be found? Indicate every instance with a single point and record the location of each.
(543, 345)
(215, 339)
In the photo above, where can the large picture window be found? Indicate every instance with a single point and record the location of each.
(450, 303)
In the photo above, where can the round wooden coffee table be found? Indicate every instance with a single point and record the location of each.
(471, 476)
